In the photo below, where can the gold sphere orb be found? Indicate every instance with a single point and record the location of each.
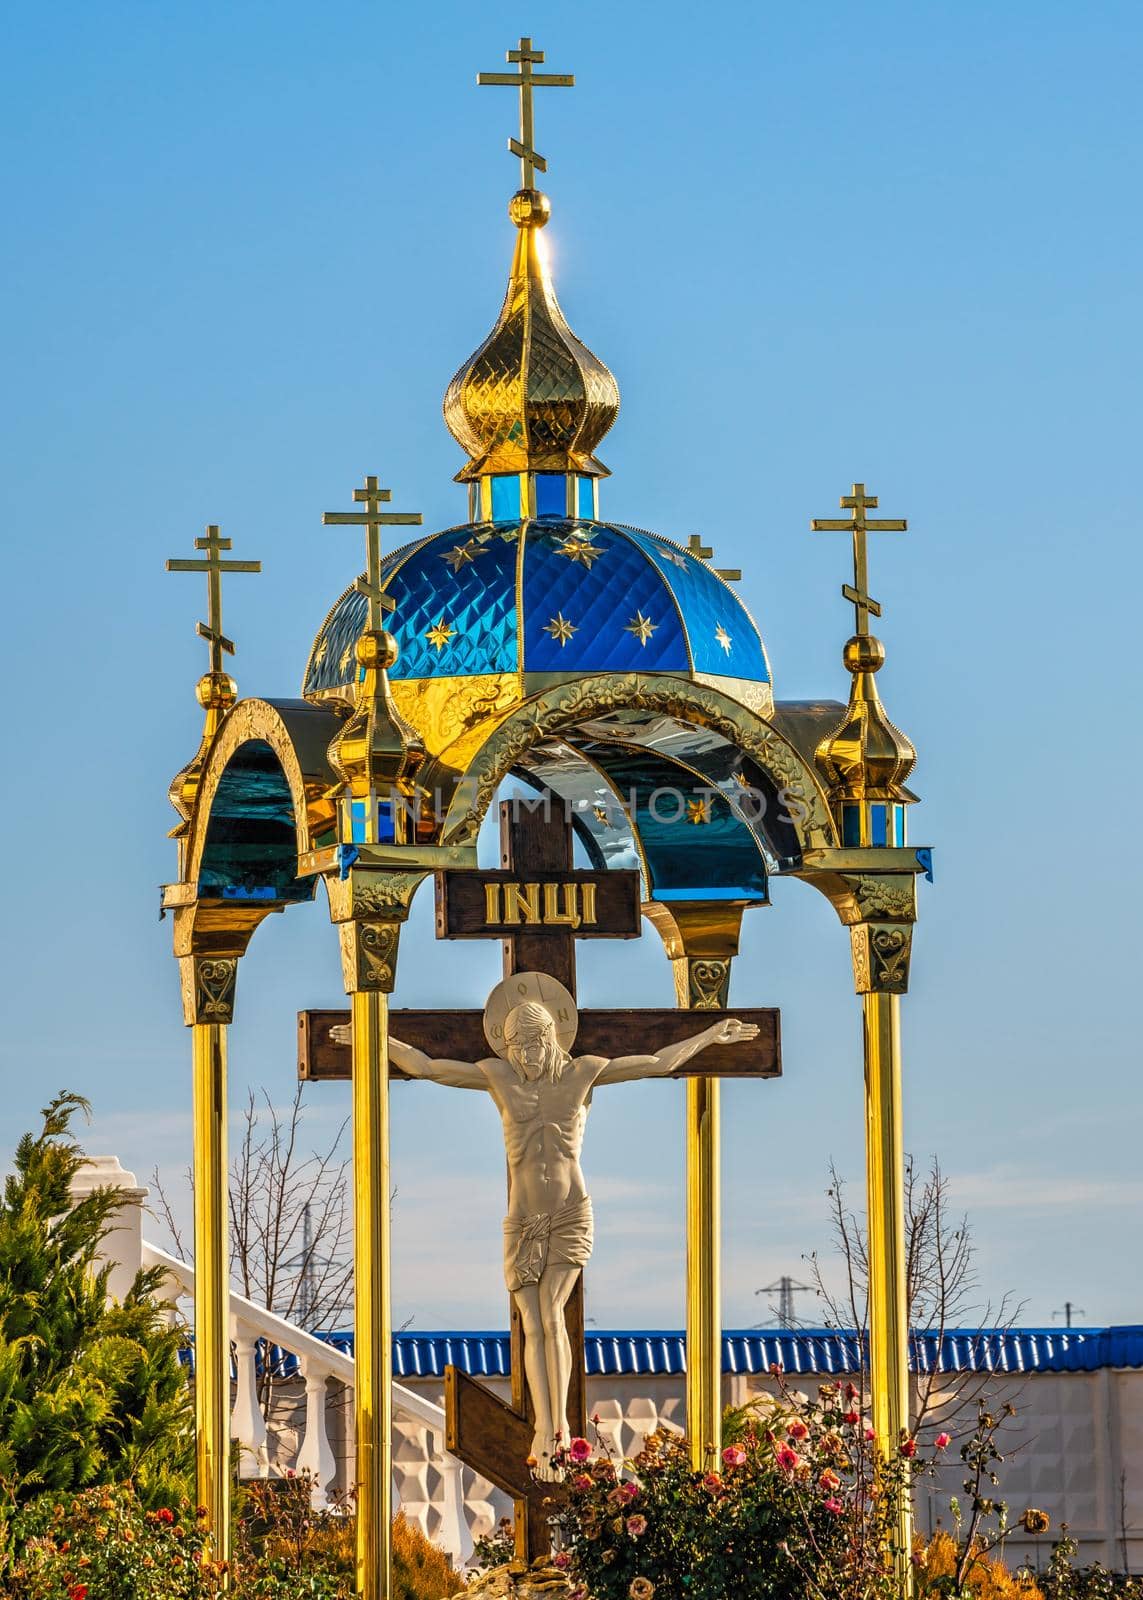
(216, 691)
(377, 649)
(529, 208)
(863, 653)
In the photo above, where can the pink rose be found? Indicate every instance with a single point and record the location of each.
(579, 1450)
(713, 1482)
(797, 1430)
(636, 1525)
(908, 1448)
(787, 1459)
(944, 1440)
(628, 1492)
(852, 1418)
(834, 1505)
(561, 1559)
(734, 1456)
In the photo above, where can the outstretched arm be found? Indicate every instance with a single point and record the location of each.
(626, 1068)
(456, 1074)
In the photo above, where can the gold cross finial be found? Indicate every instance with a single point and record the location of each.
(857, 504)
(373, 520)
(704, 552)
(526, 80)
(214, 566)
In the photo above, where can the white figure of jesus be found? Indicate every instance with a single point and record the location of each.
(542, 1093)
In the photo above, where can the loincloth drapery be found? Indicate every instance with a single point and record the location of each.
(561, 1238)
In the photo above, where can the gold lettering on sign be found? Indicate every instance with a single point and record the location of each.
(521, 903)
(552, 905)
(569, 916)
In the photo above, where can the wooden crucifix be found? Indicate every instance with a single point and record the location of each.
(538, 905)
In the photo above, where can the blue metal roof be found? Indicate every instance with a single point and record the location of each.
(547, 595)
(816, 1352)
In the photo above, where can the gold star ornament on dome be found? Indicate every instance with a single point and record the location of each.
(560, 628)
(440, 634)
(723, 638)
(461, 554)
(577, 547)
(642, 627)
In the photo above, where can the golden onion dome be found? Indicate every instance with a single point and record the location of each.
(532, 398)
(866, 757)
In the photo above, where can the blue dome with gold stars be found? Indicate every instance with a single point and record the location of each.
(547, 597)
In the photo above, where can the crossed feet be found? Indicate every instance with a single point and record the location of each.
(545, 1447)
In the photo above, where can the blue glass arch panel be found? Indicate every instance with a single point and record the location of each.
(251, 848)
(718, 859)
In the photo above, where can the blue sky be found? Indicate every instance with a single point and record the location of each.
(247, 246)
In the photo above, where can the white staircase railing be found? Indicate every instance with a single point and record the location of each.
(318, 1362)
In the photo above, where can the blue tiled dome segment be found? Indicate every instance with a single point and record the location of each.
(549, 595)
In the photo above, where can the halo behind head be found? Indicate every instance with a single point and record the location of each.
(539, 988)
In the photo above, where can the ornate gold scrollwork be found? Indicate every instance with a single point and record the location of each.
(369, 955)
(569, 704)
(386, 895)
(892, 896)
(707, 983)
(208, 984)
(881, 952)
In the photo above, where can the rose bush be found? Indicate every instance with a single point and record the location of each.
(105, 1544)
(796, 1505)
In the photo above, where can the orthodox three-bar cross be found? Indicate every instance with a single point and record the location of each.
(857, 504)
(526, 80)
(539, 906)
(214, 566)
(373, 519)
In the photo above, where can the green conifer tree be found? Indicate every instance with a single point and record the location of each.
(90, 1392)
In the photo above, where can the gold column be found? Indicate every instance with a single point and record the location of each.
(372, 1322)
(208, 983)
(701, 941)
(704, 1271)
(881, 953)
(369, 965)
(212, 1283)
(888, 1289)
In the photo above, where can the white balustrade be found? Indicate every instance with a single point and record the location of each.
(318, 1361)
(247, 1422)
(316, 1454)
